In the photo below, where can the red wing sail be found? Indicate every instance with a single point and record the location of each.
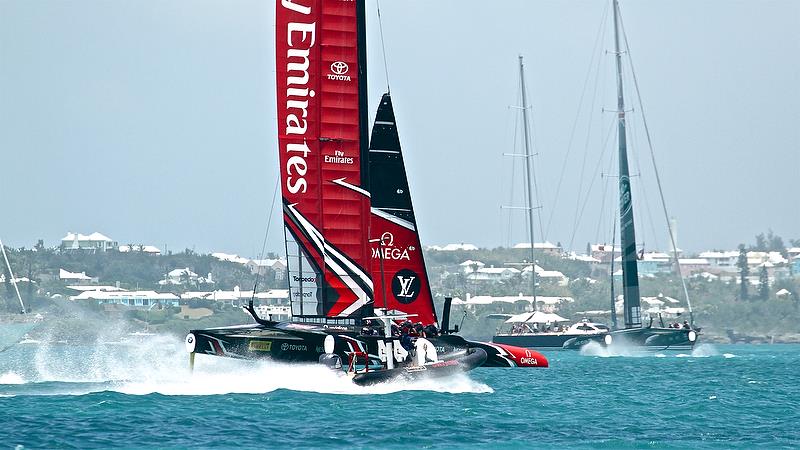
(321, 82)
(403, 279)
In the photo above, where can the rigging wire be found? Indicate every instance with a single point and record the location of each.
(532, 137)
(383, 46)
(642, 193)
(658, 177)
(577, 218)
(266, 234)
(513, 173)
(603, 196)
(598, 38)
(582, 208)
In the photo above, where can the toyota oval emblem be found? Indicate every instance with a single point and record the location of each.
(339, 67)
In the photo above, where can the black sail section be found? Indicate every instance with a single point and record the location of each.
(398, 267)
(389, 184)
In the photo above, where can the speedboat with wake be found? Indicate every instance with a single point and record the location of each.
(355, 263)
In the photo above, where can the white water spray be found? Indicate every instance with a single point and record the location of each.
(159, 364)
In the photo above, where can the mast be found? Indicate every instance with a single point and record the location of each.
(630, 275)
(13, 280)
(613, 293)
(528, 177)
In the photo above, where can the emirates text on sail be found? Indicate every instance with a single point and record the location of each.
(300, 38)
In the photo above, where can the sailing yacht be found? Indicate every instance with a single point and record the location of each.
(538, 329)
(633, 332)
(348, 222)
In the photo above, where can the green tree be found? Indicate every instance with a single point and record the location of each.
(763, 283)
(744, 271)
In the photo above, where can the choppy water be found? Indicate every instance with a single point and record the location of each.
(143, 395)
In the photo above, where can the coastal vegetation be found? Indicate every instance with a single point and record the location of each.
(721, 305)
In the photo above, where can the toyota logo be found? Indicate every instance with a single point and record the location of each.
(339, 67)
(285, 346)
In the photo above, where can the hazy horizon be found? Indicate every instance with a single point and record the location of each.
(154, 122)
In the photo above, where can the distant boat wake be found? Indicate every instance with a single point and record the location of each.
(700, 351)
(159, 365)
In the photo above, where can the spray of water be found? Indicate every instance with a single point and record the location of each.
(621, 349)
(159, 364)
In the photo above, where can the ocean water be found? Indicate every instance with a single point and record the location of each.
(142, 395)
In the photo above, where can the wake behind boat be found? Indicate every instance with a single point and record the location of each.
(348, 222)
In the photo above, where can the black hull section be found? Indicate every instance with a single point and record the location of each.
(654, 339)
(474, 357)
(302, 343)
(550, 341)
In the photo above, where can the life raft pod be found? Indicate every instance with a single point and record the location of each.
(474, 357)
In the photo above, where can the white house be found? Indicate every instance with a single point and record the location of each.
(184, 276)
(453, 247)
(141, 248)
(146, 299)
(238, 297)
(721, 262)
(603, 252)
(93, 242)
(278, 266)
(694, 265)
(76, 277)
(552, 276)
(470, 266)
(492, 274)
(543, 303)
(546, 247)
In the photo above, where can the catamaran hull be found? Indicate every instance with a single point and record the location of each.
(299, 343)
(474, 357)
(655, 339)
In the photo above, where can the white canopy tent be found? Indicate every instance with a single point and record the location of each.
(536, 317)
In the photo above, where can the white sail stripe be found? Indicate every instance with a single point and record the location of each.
(395, 152)
(341, 182)
(313, 233)
(355, 269)
(393, 219)
(383, 122)
(348, 280)
(353, 308)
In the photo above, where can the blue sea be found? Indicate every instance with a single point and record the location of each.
(142, 395)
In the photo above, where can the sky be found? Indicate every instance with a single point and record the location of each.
(154, 121)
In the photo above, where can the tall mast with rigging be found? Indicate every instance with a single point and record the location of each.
(630, 274)
(528, 174)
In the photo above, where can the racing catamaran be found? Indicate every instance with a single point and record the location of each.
(634, 333)
(348, 220)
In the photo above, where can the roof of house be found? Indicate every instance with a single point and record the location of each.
(470, 262)
(453, 247)
(67, 275)
(539, 245)
(82, 237)
(140, 248)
